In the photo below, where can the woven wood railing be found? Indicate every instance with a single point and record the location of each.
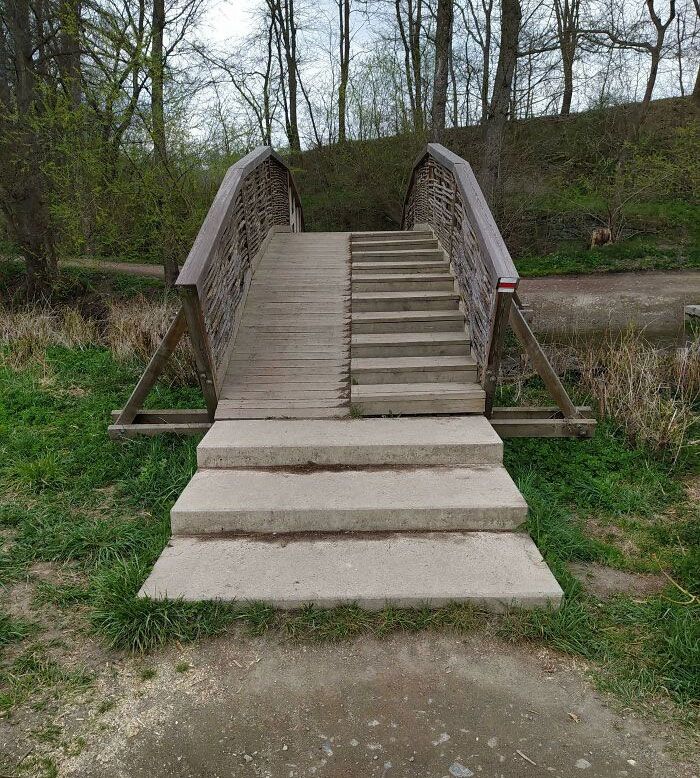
(257, 194)
(444, 194)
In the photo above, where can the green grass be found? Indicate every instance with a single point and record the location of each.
(72, 496)
(625, 256)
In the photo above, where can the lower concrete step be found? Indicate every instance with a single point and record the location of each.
(491, 570)
(416, 370)
(417, 398)
(407, 321)
(426, 441)
(416, 499)
(418, 344)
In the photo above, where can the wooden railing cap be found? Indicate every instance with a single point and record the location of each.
(496, 255)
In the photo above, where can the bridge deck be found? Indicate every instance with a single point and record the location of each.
(292, 352)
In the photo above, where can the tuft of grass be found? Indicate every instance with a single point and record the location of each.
(652, 394)
(35, 675)
(13, 630)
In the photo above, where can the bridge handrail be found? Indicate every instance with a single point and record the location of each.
(444, 194)
(257, 193)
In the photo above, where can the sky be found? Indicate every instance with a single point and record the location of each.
(225, 20)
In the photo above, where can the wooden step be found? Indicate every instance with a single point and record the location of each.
(488, 569)
(417, 344)
(415, 398)
(341, 500)
(404, 267)
(417, 243)
(397, 255)
(392, 235)
(397, 370)
(404, 301)
(408, 321)
(398, 282)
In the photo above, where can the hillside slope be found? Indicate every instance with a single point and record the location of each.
(558, 185)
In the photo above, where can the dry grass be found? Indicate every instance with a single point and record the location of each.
(131, 330)
(651, 393)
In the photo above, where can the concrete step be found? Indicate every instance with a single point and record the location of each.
(404, 301)
(398, 282)
(464, 440)
(404, 267)
(408, 321)
(492, 570)
(417, 398)
(398, 370)
(358, 244)
(283, 501)
(397, 255)
(409, 344)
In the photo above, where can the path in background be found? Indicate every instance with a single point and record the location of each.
(589, 303)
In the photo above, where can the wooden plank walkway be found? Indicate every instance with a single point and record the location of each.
(291, 357)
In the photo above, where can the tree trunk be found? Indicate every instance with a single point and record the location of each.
(443, 44)
(568, 68)
(69, 50)
(159, 140)
(344, 18)
(696, 88)
(24, 203)
(511, 15)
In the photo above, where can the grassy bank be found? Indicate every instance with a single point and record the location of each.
(83, 519)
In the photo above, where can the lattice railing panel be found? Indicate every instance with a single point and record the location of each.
(434, 199)
(262, 200)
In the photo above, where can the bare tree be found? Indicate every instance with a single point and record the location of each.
(23, 185)
(344, 48)
(494, 127)
(443, 46)
(568, 31)
(286, 31)
(410, 32)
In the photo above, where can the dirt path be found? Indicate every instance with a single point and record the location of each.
(586, 304)
(427, 705)
(562, 305)
(132, 269)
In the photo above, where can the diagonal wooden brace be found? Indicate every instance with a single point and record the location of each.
(540, 362)
(154, 369)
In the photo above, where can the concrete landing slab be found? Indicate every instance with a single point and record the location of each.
(421, 441)
(493, 570)
(419, 499)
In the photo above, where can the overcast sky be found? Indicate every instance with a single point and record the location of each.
(227, 19)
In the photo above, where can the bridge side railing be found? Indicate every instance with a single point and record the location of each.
(257, 194)
(443, 193)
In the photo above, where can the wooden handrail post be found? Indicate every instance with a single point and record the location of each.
(200, 345)
(499, 325)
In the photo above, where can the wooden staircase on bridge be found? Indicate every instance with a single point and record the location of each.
(352, 451)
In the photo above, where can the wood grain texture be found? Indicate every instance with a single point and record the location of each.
(291, 355)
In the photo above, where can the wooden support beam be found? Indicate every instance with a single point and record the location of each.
(154, 368)
(178, 421)
(544, 422)
(200, 345)
(541, 364)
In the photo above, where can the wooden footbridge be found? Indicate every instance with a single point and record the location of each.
(352, 450)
